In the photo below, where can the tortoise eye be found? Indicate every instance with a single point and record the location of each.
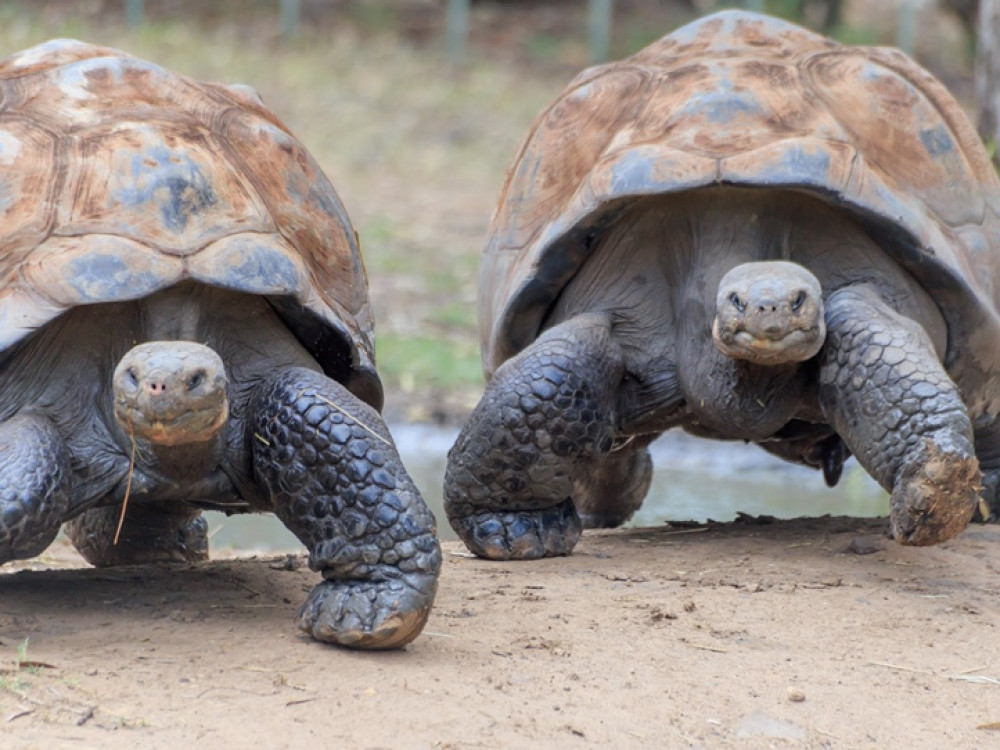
(739, 304)
(799, 300)
(132, 377)
(195, 380)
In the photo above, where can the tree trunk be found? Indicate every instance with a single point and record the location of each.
(988, 75)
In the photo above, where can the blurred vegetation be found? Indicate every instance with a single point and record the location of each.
(416, 145)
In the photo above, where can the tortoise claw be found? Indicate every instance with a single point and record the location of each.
(521, 535)
(936, 500)
(834, 455)
(366, 614)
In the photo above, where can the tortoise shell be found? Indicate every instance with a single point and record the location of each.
(747, 100)
(119, 178)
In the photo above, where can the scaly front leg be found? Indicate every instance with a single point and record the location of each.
(885, 392)
(336, 481)
(35, 480)
(543, 426)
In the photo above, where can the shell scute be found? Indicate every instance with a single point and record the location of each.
(109, 86)
(912, 144)
(808, 162)
(162, 185)
(28, 156)
(304, 207)
(251, 262)
(96, 276)
(63, 272)
(571, 136)
(54, 53)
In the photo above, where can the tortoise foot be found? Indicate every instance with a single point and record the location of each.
(611, 494)
(936, 501)
(522, 535)
(367, 614)
(149, 534)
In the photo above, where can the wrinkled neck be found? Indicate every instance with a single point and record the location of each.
(737, 399)
(179, 463)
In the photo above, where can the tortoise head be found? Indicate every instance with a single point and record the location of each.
(171, 392)
(769, 313)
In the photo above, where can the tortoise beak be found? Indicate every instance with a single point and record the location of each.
(769, 313)
(171, 392)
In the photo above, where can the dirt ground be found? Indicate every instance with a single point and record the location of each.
(806, 633)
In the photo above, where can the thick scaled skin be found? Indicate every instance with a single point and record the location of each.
(337, 483)
(792, 242)
(34, 486)
(176, 268)
(546, 417)
(886, 393)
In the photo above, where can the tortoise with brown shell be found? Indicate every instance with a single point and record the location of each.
(185, 325)
(750, 232)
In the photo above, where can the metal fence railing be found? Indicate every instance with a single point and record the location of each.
(599, 13)
(456, 23)
(599, 23)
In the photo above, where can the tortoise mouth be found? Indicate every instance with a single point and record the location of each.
(191, 426)
(796, 345)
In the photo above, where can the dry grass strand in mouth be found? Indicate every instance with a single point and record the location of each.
(128, 484)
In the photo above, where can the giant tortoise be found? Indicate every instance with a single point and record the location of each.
(753, 233)
(185, 325)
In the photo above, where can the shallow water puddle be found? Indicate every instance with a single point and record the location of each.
(694, 480)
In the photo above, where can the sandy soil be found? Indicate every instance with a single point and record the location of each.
(807, 633)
